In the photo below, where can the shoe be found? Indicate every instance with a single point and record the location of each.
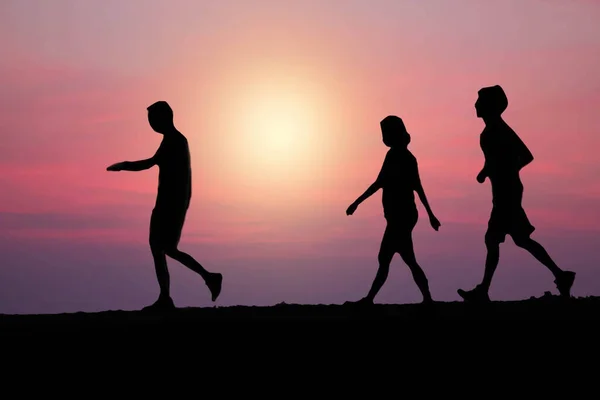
(162, 304)
(476, 295)
(215, 283)
(564, 283)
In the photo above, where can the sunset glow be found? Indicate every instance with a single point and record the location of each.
(281, 103)
(275, 129)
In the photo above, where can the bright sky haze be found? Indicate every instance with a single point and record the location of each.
(281, 103)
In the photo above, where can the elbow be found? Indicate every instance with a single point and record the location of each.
(147, 164)
(419, 188)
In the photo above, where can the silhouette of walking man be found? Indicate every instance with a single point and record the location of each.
(399, 179)
(505, 155)
(172, 202)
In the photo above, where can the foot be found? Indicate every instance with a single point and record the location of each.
(164, 303)
(476, 295)
(362, 302)
(214, 283)
(564, 282)
(428, 301)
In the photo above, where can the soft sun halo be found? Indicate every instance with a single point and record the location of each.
(277, 127)
(278, 131)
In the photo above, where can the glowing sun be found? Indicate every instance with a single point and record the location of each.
(277, 129)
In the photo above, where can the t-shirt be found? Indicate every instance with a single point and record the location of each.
(503, 151)
(398, 178)
(175, 173)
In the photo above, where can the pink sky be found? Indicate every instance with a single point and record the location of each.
(76, 77)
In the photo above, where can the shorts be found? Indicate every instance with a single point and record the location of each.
(508, 221)
(398, 228)
(166, 226)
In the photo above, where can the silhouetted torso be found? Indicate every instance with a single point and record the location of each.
(175, 173)
(501, 148)
(398, 178)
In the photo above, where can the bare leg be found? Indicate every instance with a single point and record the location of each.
(164, 301)
(563, 279)
(189, 262)
(158, 253)
(538, 251)
(407, 253)
(385, 259)
(386, 253)
(212, 280)
(162, 272)
(385, 256)
(491, 263)
(480, 292)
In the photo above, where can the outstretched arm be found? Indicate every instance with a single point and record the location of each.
(421, 193)
(133, 165)
(139, 165)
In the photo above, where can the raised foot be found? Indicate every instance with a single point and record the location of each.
(215, 283)
(564, 283)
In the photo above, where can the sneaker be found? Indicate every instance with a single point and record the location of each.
(162, 304)
(476, 295)
(362, 302)
(214, 283)
(564, 283)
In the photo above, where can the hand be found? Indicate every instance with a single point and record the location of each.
(351, 209)
(481, 177)
(116, 167)
(435, 224)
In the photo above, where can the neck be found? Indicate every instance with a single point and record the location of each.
(170, 131)
(398, 148)
(495, 120)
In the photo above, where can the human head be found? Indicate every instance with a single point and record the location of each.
(160, 116)
(394, 132)
(491, 102)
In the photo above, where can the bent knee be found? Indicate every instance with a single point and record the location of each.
(492, 241)
(157, 241)
(157, 250)
(172, 251)
(522, 241)
(159, 245)
(385, 257)
(409, 259)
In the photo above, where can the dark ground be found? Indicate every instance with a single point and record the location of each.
(519, 338)
(202, 321)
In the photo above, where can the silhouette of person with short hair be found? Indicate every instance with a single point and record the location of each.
(398, 179)
(505, 155)
(172, 202)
